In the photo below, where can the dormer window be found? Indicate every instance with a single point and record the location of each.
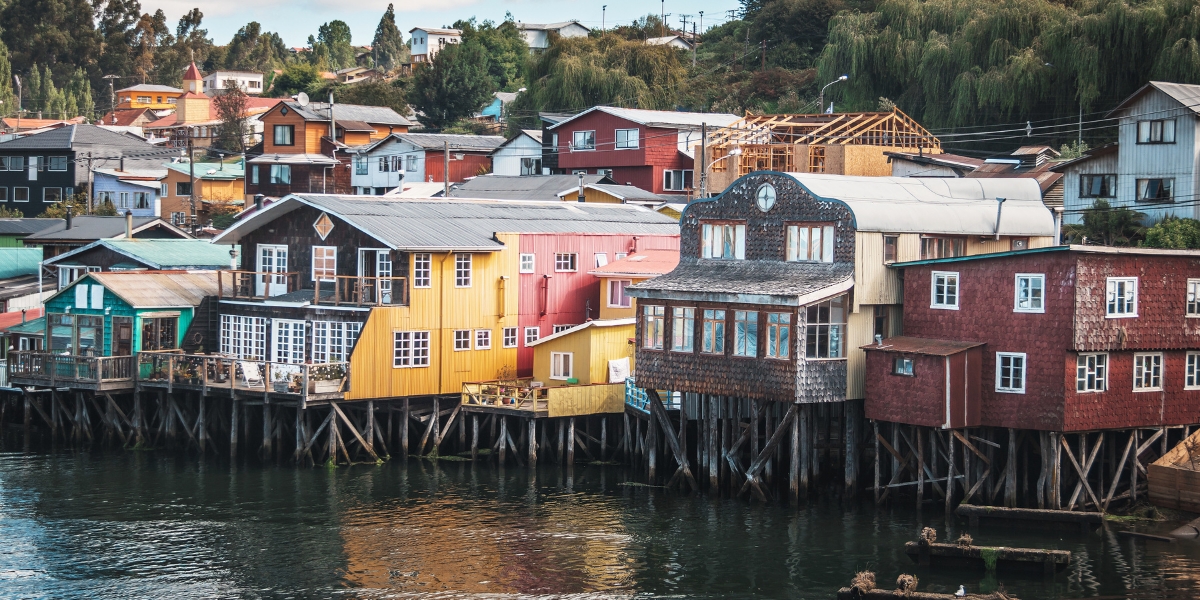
(725, 241)
(810, 242)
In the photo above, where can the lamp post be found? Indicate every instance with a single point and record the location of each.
(734, 151)
(821, 97)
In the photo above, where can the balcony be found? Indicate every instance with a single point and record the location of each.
(208, 373)
(255, 285)
(341, 290)
(522, 397)
(98, 373)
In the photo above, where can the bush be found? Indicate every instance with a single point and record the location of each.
(1173, 232)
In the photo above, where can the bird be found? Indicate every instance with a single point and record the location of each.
(961, 593)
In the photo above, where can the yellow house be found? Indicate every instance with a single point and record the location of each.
(215, 182)
(612, 194)
(153, 97)
(622, 273)
(594, 352)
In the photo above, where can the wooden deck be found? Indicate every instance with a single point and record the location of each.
(216, 374)
(519, 397)
(47, 369)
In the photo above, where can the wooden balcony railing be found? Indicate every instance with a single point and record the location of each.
(46, 368)
(557, 401)
(213, 371)
(362, 291)
(255, 285)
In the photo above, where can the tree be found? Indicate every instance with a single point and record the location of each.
(116, 21)
(49, 32)
(147, 35)
(235, 122)
(505, 48)
(299, 77)
(252, 49)
(8, 100)
(1107, 226)
(388, 49)
(332, 46)
(1175, 233)
(80, 90)
(454, 85)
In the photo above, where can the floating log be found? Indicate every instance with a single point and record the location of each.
(1146, 536)
(854, 594)
(974, 513)
(1003, 558)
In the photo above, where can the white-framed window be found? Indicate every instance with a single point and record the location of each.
(726, 241)
(677, 180)
(627, 139)
(510, 337)
(179, 218)
(565, 262)
(422, 268)
(944, 290)
(360, 165)
(810, 242)
(1157, 131)
(562, 327)
(411, 163)
(1147, 372)
(532, 334)
(601, 259)
(1010, 372)
(1030, 296)
(462, 339)
(410, 349)
(652, 327)
(324, 263)
(1121, 297)
(280, 174)
(163, 192)
(562, 365)
(825, 335)
(583, 140)
(3, 194)
(483, 339)
(141, 200)
(333, 341)
(462, 270)
(620, 255)
(527, 263)
(1193, 297)
(902, 366)
(20, 194)
(52, 194)
(244, 337)
(1191, 380)
(616, 293)
(288, 336)
(683, 329)
(1091, 372)
(1097, 186)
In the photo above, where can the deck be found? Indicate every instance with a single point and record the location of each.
(212, 373)
(46, 369)
(521, 397)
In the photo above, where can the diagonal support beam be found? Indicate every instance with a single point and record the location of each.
(660, 413)
(1082, 475)
(358, 436)
(764, 455)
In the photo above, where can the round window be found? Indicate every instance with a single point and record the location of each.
(765, 197)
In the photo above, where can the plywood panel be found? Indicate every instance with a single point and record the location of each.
(573, 401)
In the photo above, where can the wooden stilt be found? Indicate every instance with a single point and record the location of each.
(659, 412)
(369, 434)
(1010, 470)
(652, 447)
(950, 474)
(532, 442)
(851, 416)
(628, 438)
(404, 427)
(804, 428)
(503, 438)
(474, 437)
(875, 430)
(571, 442)
(753, 483)
(299, 426)
(603, 437)
(798, 464)
(920, 466)
(365, 443)
(27, 422)
(201, 429)
(714, 439)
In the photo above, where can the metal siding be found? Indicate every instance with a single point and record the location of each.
(860, 331)
(1072, 203)
(471, 165)
(1176, 160)
(507, 160)
(579, 344)
(657, 148)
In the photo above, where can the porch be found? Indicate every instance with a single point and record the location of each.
(214, 373)
(521, 397)
(339, 290)
(46, 369)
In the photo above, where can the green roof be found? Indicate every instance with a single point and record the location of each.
(37, 325)
(231, 170)
(162, 254)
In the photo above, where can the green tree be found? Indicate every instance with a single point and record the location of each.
(454, 85)
(79, 89)
(116, 21)
(252, 49)
(392, 94)
(388, 49)
(298, 77)
(191, 43)
(505, 48)
(1174, 233)
(1106, 225)
(49, 32)
(332, 46)
(8, 100)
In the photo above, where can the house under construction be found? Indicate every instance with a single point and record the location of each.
(838, 143)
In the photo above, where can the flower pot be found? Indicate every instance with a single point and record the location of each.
(280, 386)
(326, 387)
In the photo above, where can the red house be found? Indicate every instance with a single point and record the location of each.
(649, 149)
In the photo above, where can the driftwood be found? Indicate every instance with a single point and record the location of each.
(999, 557)
(1085, 520)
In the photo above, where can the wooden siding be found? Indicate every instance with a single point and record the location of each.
(591, 348)
(113, 307)
(917, 400)
(1174, 480)
(658, 148)
(574, 401)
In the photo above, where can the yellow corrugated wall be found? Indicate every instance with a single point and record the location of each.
(578, 343)
(610, 343)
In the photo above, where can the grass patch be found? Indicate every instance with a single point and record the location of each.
(989, 556)
(453, 458)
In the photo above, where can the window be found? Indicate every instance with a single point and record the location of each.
(462, 339)
(422, 268)
(124, 200)
(1192, 379)
(826, 329)
(531, 166)
(410, 349)
(683, 329)
(565, 262)
(891, 247)
(712, 335)
(526, 263)
(1147, 372)
(652, 328)
(141, 200)
(1121, 297)
(244, 337)
(20, 194)
(510, 337)
(285, 135)
(627, 138)
(159, 333)
(360, 165)
(583, 140)
(779, 338)
(531, 335)
(16, 163)
(383, 164)
(289, 341)
(810, 242)
(938, 247)
(183, 188)
(745, 333)
(601, 259)
(1031, 293)
(677, 180)
(1193, 297)
(562, 365)
(483, 339)
(1097, 186)
(880, 326)
(58, 163)
(902, 366)
(724, 240)
(51, 194)
(462, 270)
(1010, 372)
(564, 327)
(1159, 131)
(281, 174)
(333, 341)
(945, 290)
(324, 263)
(620, 255)
(1155, 190)
(179, 218)
(605, 172)
(616, 293)
(3, 194)
(4, 163)
(554, 141)
(1091, 373)
(412, 163)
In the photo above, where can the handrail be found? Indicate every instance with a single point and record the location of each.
(216, 371)
(361, 290)
(236, 284)
(69, 368)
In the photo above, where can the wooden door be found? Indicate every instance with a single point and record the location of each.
(122, 341)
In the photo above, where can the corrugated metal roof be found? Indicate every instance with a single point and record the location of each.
(584, 327)
(151, 289)
(915, 345)
(660, 118)
(71, 136)
(749, 281)
(29, 327)
(1073, 248)
(647, 263)
(211, 171)
(936, 205)
(12, 318)
(425, 224)
(161, 254)
(1186, 94)
(91, 227)
(528, 187)
(150, 87)
(435, 141)
(27, 226)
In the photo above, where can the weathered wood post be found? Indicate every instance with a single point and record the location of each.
(474, 436)
(266, 430)
(851, 417)
(503, 439)
(532, 443)
(950, 473)
(652, 442)
(1010, 471)
(797, 463)
(804, 422)
(875, 438)
(714, 472)
(404, 417)
(571, 442)
(300, 434)
(27, 421)
(369, 434)
(233, 430)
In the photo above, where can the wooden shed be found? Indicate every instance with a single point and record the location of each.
(594, 352)
(1174, 479)
(924, 381)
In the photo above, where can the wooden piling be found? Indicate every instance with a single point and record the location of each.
(570, 442)
(532, 443)
(803, 421)
(503, 438)
(474, 437)
(404, 425)
(796, 479)
(850, 415)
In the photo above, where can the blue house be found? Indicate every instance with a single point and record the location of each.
(138, 190)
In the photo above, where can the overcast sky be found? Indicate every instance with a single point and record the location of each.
(295, 20)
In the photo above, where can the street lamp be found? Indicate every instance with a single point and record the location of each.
(734, 151)
(821, 97)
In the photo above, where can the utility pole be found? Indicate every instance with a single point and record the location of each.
(91, 185)
(662, 19)
(701, 21)
(703, 159)
(446, 168)
(191, 179)
(695, 43)
(603, 13)
(684, 19)
(112, 97)
(17, 80)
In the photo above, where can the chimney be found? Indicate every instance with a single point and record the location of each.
(258, 201)
(581, 198)
(122, 166)
(128, 224)
(68, 216)
(23, 314)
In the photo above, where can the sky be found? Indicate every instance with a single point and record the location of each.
(295, 20)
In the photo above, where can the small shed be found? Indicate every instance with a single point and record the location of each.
(1174, 479)
(595, 352)
(927, 382)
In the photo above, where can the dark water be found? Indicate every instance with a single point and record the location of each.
(139, 525)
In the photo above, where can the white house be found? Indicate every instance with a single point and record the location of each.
(538, 35)
(380, 167)
(522, 155)
(251, 83)
(673, 41)
(425, 42)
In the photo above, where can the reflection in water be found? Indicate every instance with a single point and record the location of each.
(138, 525)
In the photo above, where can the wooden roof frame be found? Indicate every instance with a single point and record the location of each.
(862, 128)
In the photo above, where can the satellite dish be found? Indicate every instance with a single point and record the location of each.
(302, 99)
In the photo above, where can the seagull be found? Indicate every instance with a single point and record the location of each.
(961, 593)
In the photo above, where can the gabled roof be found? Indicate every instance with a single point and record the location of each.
(73, 136)
(463, 225)
(549, 26)
(27, 124)
(375, 115)
(584, 327)
(160, 254)
(192, 73)
(211, 171)
(527, 187)
(533, 134)
(148, 87)
(91, 227)
(941, 159)
(1104, 150)
(460, 143)
(666, 40)
(30, 327)
(134, 174)
(1186, 94)
(27, 226)
(154, 289)
(659, 118)
(9, 319)
(625, 193)
(127, 116)
(647, 263)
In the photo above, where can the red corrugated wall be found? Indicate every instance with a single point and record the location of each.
(657, 149)
(471, 165)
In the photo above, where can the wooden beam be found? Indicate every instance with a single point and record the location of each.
(761, 459)
(1082, 474)
(354, 430)
(660, 413)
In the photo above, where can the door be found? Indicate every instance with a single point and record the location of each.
(122, 342)
(373, 262)
(289, 341)
(272, 267)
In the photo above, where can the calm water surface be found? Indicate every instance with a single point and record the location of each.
(140, 525)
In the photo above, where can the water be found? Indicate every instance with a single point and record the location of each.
(142, 525)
